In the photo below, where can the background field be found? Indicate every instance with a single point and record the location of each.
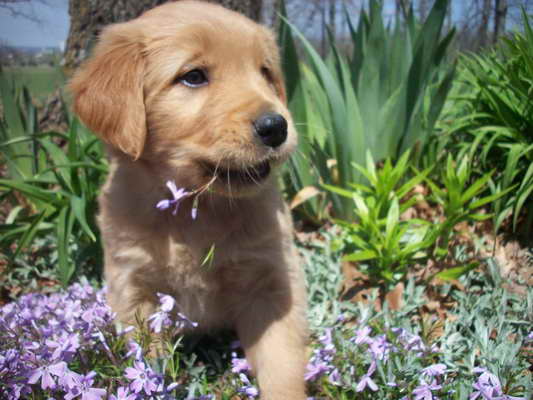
(40, 80)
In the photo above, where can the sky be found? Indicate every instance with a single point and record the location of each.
(51, 31)
(54, 25)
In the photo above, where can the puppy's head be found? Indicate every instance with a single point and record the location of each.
(193, 89)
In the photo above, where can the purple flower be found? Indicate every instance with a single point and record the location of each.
(134, 349)
(362, 336)
(65, 346)
(143, 378)
(85, 389)
(248, 389)
(335, 377)
(177, 195)
(488, 386)
(183, 322)
(167, 302)
(367, 381)
(239, 364)
(123, 393)
(315, 370)
(380, 348)
(69, 379)
(45, 373)
(434, 370)
(159, 320)
(163, 204)
(424, 391)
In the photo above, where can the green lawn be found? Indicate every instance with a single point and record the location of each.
(41, 81)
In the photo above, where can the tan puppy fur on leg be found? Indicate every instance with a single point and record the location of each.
(192, 93)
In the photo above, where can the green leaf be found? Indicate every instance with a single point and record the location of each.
(78, 207)
(362, 255)
(29, 233)
(393, 217)
(209, 257)
(456, 272)
(65, 267)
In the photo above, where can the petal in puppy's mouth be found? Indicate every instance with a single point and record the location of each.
(245, 176)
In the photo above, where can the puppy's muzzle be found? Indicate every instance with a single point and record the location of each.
(271, 128)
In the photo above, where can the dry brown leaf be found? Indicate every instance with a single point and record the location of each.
(303, 195)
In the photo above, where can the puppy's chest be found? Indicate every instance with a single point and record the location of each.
(196, 256)
(201, 273)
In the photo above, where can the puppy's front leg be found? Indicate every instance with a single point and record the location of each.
(273, 333)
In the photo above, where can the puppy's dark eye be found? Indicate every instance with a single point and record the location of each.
(195, 78)
(267, 73)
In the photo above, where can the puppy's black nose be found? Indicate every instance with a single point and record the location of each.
(271, 128)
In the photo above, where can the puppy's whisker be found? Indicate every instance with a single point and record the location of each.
(229, 188)
(252, 178)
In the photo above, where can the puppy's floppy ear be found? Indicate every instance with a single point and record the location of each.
(108, 89)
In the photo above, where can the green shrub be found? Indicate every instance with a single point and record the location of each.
(384, 97)
(490, 119)
(387, 246)
(53, 181)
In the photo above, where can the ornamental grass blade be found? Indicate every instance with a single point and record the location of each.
(289, 55)
(58, 158)
(524, 194)
(78, 208)
(29, 233)
(17, 155)
(65, 268)
(32, 191)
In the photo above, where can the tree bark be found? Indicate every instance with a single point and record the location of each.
(500, 16)
(88, 17)
(250, 8)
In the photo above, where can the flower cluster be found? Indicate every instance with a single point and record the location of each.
(66, 346)
(49, 344)
(488, 387)
(369, 353)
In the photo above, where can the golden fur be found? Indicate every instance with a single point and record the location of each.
(158, 129)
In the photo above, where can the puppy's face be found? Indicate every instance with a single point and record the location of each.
(195, 90)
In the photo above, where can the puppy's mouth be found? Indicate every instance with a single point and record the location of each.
(246, 176)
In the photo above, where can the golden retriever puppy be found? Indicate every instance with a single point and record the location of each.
(192, 93)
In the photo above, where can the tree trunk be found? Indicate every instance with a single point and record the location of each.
(483, 28)
(88, 17)
(500, 15)
(250, 8)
